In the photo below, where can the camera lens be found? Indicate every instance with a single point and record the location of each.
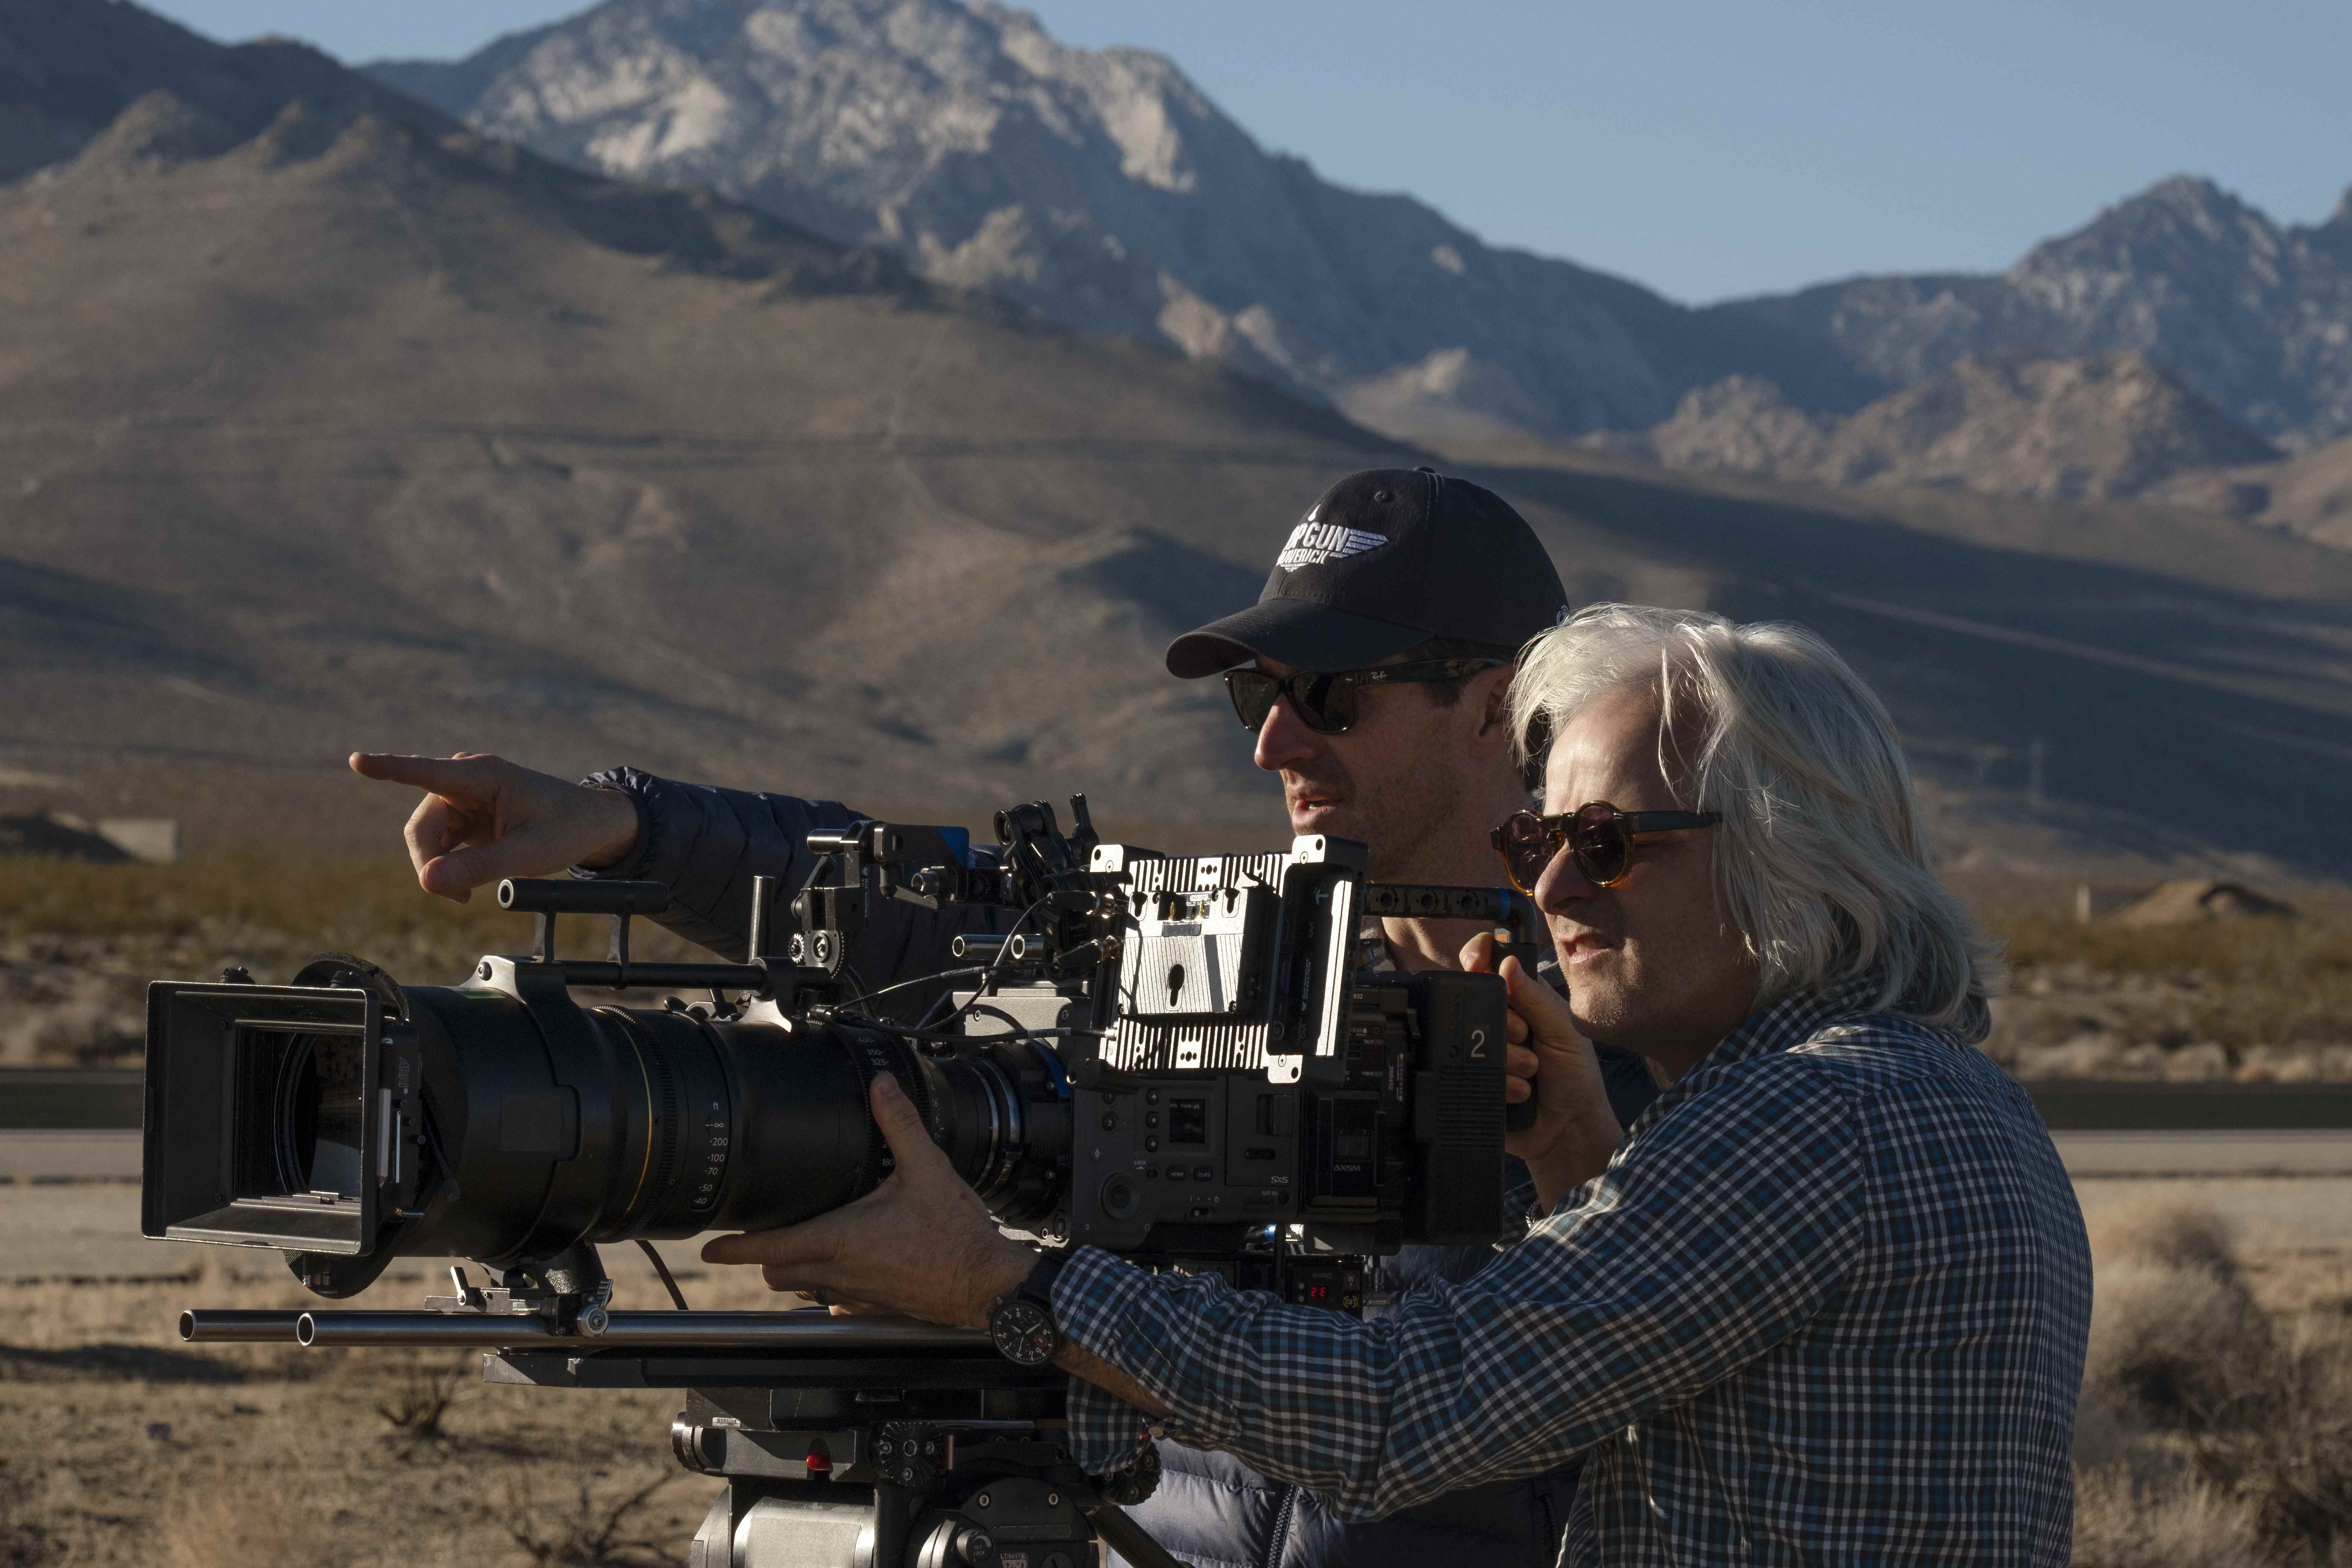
(324, 1100)
(599, 1124)
(542, 1124)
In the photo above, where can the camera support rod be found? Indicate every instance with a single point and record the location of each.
(813, 1332)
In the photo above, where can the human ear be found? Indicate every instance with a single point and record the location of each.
(1491, 692)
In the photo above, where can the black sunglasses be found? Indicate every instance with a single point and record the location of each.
(1326, 701)
(1601, 838)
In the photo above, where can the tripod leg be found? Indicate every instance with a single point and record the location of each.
(1126, 1538)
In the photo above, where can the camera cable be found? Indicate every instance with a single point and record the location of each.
(677, 1296)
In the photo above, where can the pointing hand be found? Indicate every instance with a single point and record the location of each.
(483, 818)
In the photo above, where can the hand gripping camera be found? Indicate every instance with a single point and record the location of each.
(1181, 1059)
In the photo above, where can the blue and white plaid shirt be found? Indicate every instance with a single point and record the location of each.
(1827, 1302)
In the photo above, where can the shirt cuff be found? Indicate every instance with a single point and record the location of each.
(1111, 1309)
(637, 785)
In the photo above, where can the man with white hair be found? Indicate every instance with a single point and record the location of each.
(1825, 1300)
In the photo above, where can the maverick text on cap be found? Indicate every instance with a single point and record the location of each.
(1387, 558)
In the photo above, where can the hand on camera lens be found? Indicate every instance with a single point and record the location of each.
(1574, 1131)
(484, 818)
(922, 1243)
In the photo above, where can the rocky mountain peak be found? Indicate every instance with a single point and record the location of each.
(1103, 189)
(2015, 423)
(2181, 225)
(1100, 188)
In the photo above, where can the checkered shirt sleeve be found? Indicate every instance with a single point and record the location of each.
(1828, 1299)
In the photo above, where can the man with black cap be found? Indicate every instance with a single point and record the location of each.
(1394, 579)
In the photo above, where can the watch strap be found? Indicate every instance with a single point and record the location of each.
(1038, 1287)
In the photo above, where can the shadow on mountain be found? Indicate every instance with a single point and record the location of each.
(2210, 716)
(1176, 584)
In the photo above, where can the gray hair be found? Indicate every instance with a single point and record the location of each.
(1822, 860)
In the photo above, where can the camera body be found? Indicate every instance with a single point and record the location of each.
(1184, 1060)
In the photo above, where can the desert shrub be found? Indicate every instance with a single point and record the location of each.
(2289, 1461)
(363, 898)
(2176, 1337)
(2174, 1346)
(418, 1409)
(236, 1524)
(24, 1540)
(2207, 1433)
(2235, 984)
(2169, 1233)
(2121, 1523)
(588, 1532)
(78, 943)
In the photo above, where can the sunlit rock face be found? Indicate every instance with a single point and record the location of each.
(2252, 316)
(2012, 423)
(1101, 187)
(1104, 190)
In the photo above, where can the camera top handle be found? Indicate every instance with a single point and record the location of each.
(546, 897)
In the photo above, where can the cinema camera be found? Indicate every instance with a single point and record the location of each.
(1177, 1059)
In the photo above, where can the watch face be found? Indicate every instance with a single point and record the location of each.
(1022, 1332)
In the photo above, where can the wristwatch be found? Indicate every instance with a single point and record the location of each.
(1021, 1325)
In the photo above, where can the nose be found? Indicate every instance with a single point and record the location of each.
(1562, 885)
(1284, 740)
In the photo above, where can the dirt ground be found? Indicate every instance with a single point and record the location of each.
(119, 1444)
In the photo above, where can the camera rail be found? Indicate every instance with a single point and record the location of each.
(810, 1331)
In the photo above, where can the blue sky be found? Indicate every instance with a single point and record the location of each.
(1709, 149)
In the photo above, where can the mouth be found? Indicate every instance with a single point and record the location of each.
(1580, 947)
(1311, 806)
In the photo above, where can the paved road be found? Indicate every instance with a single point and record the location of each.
(2285, 1185)
(90, 1231)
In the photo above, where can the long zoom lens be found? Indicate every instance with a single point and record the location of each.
(542, 1124)
(597, 1124)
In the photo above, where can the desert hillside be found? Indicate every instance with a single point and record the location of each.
(341, 425)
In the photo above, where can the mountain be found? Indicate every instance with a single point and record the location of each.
(361, 428)
(2310, 496)
(363, 425)
(2253, 317)
(1102, 188)
(2015, 423)
(67, 67)
(1106, 190)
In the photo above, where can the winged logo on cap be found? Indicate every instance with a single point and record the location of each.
(1314, 543)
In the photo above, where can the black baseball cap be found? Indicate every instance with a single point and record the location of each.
(1386, 559)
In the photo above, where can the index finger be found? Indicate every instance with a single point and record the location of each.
(441, 775)
(789, 1246)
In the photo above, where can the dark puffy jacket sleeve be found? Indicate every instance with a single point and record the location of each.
(706, 845)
